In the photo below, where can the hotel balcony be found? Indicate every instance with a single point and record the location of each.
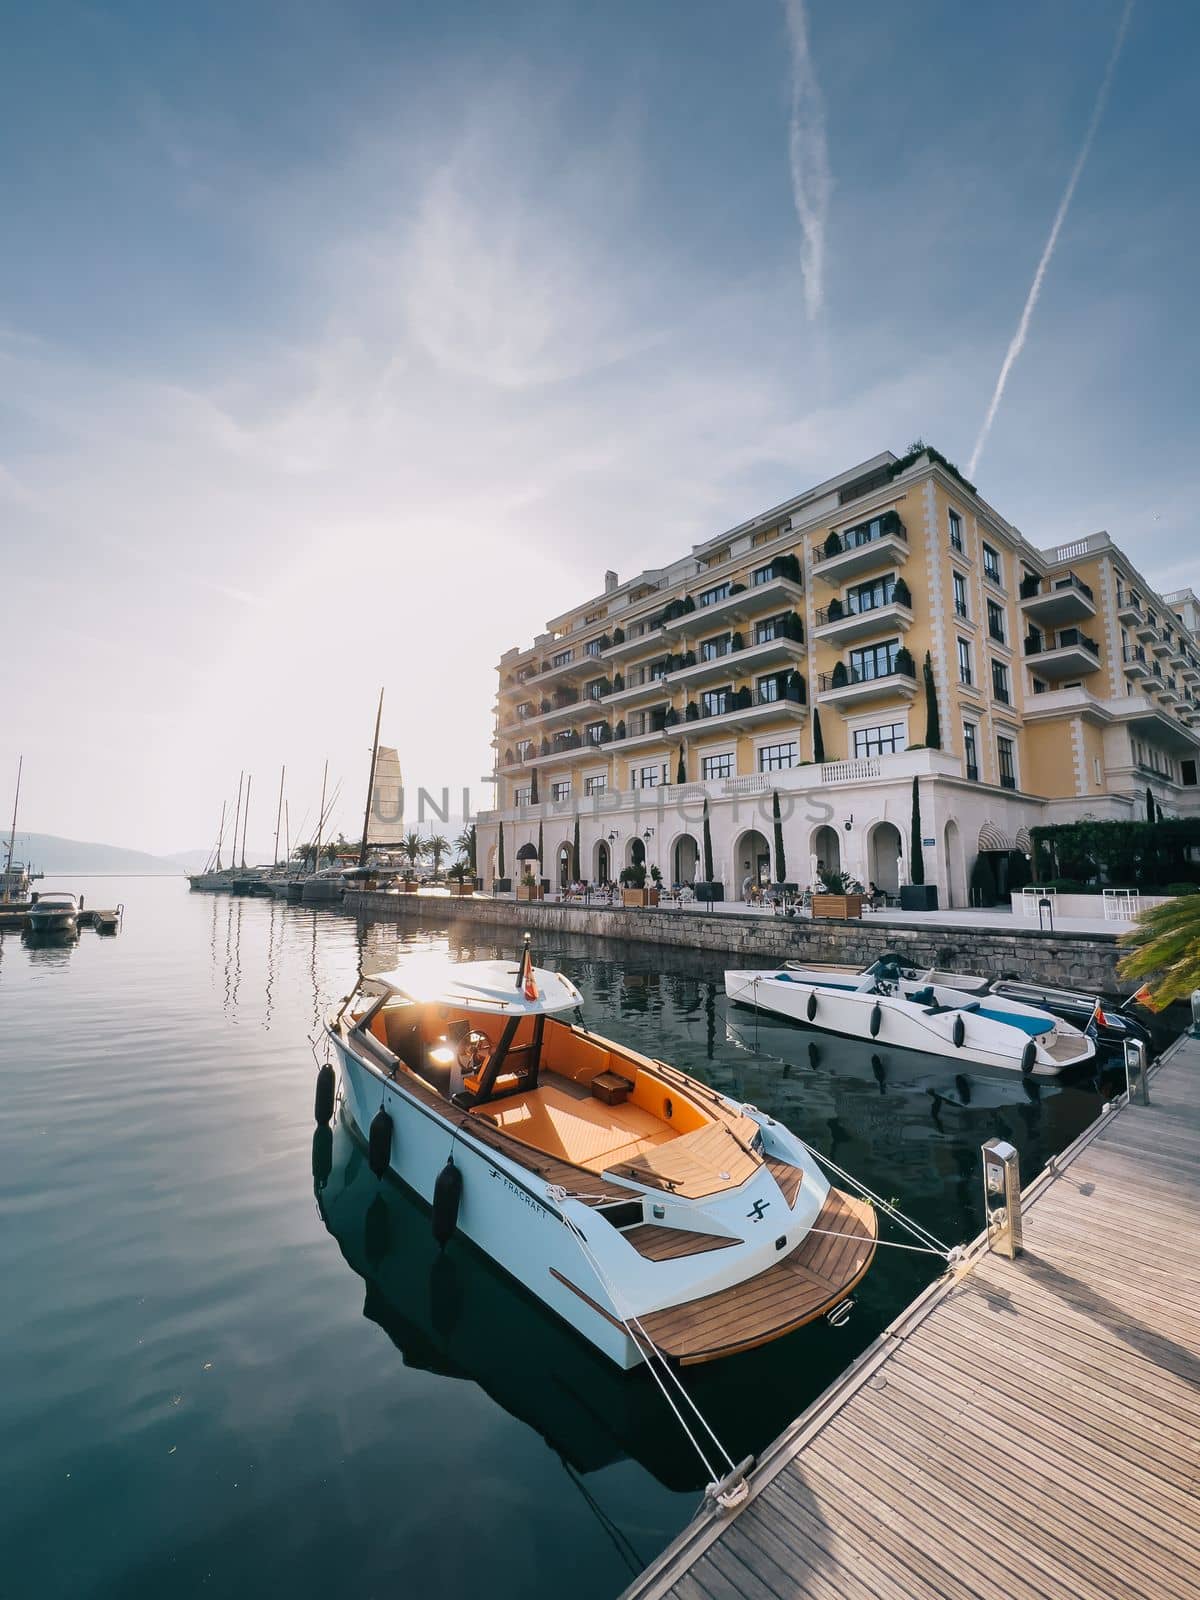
(1146, 630)
(580, 664)
(633, 694)
(1065, 599)
(1129, 610)
(758, 600)
(1168, 691)
(1073, 656)
(634, 644)
(846, 687)
(1161, 646)
(839, 625)
(1191, 672)
(738, 663)
(1133, 658)
(880, 542)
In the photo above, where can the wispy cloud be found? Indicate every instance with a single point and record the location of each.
(811, 180)
(1035, 288)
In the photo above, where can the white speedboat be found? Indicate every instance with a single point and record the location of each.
(53, 913)
(913, 1014)
(646, 1209)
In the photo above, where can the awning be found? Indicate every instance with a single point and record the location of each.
(1024, 842)
(993, 838)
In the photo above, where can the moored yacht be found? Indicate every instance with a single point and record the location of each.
(881, 1004)
(53, 913)
(648, 1210)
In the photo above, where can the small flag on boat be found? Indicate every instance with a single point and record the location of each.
(525, 981)
(1096, 1021)
(1143, 998)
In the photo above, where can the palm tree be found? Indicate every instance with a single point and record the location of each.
(436, 846)
(1165, 947)
(465, 845)
(412, 847)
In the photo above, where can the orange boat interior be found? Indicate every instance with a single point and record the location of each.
(560, 1090)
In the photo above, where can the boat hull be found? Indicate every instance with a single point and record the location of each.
(961, 1035)
(502, 1211)
(52, 921)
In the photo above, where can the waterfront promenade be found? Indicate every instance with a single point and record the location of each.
(1026, 1428)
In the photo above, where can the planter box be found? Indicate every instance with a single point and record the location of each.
(837, 905)
(918, 897)
(708, 891)
(409, 886)
(529, 892)
(462, 888)
(639, 897)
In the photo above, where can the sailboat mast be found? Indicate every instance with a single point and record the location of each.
(279, 814)
(287, 832)
(362, 849)
(246, 819)
(236, 818)
(221, 834)
(320, 819)
(12, 838)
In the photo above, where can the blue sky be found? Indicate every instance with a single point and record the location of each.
(343, 344)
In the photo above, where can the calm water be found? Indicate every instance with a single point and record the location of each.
(225, 1376)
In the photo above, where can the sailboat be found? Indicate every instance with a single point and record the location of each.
(15, 885)
(384, 817)
(215, 876)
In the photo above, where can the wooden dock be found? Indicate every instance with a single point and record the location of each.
(1027, 1429)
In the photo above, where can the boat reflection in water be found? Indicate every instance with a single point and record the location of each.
(455, 1313)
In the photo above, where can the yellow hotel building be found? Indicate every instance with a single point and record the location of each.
(803, 653)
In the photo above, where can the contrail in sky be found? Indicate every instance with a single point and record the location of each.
(1035, 288)
(811, 183)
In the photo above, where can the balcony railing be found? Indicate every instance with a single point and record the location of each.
(1134, 652)
(1007, 781)
(972, 773)
(1067, 639)
(848, 676)
(865, 533)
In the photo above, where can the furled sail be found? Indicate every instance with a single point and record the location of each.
(385, 823)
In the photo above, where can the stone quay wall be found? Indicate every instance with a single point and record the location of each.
(1085, 961)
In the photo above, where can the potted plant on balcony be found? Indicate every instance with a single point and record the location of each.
(835, 611)
(833, 545)
(840, 896)
(905, 663)
(901, 593)
(839, 677)
(633, 887)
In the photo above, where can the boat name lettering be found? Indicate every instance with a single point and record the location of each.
(516, 1188)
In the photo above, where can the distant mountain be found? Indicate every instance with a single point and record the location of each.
(47, 853)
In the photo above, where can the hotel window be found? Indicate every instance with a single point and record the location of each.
(596, 784)
(714, 702)
(561, 790)
(646, 777)
(717, 766)
(713, 649)
(775, 757)
(991, 566)
(711, 596)
(596, 732)
(1004, 759)
(525, 709)
(873, 661)
(561, 659)
(1040, 685)
(658, 671)
(762, 575)
(868, 596)
(971, 751)
(595, 689)
(1000, 682)
(767, 630)
(882, 741)
(592, 647)
(767, 689)
(524, 748)
(965, 675)
(956, 538)
(960, 594)
(995, 616)
(521, 796)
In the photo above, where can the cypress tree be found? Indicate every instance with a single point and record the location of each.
(1149, 805)
(777, 820)
(533, 788)
(916, 856)
(933, 726)
(708, 860)
(500, 853)
(541, 852)
(681, 769)
(575, 850)
(818, 740)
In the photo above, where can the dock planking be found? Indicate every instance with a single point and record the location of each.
(1026, 1428)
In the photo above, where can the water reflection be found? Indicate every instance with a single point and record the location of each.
(456, 1314)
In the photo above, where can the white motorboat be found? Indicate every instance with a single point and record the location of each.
(914, 1014)
(328, 884)
(647, 1210)
(53, 913)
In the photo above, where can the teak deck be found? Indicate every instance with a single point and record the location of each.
(1027, 1428)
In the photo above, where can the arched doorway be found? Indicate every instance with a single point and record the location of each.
(635, 854)
(602, 862)
(751, 861)
(684, 859)
(883, 857)
(956, 866)
(827, 849)
(564, 865)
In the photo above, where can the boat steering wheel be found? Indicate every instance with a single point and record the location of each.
(474, 1051)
